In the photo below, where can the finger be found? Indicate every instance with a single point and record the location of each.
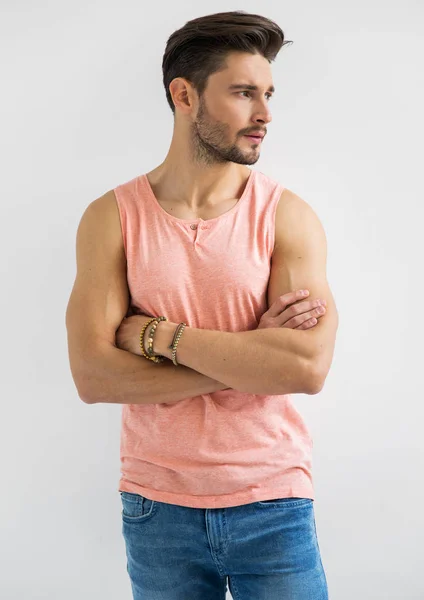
(299, 319)
(299, 308)
(285, 300)
(307, 324)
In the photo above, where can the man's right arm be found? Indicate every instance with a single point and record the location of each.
(99, 301)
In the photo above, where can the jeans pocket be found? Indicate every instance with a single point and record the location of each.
(286, 502)
(136, 508)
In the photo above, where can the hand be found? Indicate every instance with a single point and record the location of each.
(127, 335)
(288, 312)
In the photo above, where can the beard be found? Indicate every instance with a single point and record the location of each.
(209, 142)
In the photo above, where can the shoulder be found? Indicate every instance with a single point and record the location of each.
(288, 204)
(296, 223)
(101, 217)
(104, 209)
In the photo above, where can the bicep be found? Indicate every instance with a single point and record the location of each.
(100, 296)
(299, 262)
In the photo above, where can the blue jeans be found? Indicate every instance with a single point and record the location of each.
(268, 550)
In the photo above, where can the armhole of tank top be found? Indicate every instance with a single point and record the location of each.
(122, 218)
(276, 195)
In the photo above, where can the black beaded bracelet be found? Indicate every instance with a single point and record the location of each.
(177, 335)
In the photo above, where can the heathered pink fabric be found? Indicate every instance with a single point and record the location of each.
(226, 448)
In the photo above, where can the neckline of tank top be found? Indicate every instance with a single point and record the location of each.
(143, 178)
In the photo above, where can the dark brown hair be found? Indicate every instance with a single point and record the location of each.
(199, 48)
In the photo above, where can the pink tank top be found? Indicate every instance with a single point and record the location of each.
(226, 448)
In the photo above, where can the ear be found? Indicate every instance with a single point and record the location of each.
(183, 95)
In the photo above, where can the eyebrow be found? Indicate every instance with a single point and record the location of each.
(245, 86)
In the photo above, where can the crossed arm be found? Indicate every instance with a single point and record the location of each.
(279, 360)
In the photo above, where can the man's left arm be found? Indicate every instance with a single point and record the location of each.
(274, 360)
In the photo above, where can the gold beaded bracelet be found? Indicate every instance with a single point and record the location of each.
(177, 335)
(149, 354)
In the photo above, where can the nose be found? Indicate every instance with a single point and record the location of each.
(263, 116)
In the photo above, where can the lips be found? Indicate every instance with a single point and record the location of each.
(254, 138)
(260, 134)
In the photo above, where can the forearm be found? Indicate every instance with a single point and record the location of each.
(263, 361)
(115, 376)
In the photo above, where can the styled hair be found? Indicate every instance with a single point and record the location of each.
(200, 47)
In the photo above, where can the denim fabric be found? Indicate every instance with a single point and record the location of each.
(265, 550)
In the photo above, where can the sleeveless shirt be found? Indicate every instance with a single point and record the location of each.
(226, 448)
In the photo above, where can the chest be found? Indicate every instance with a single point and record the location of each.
(215, 273)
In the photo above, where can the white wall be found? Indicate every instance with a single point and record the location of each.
(83, 110)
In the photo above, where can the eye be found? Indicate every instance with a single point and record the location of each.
(247, 92)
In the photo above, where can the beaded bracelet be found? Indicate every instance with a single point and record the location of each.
(177, 335)
(149, 355)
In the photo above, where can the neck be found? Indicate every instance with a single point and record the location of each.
(197, 186)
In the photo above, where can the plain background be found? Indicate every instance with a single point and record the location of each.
(83, 110)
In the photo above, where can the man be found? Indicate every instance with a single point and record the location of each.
(216, 461)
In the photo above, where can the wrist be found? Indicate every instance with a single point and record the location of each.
(163, 338)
